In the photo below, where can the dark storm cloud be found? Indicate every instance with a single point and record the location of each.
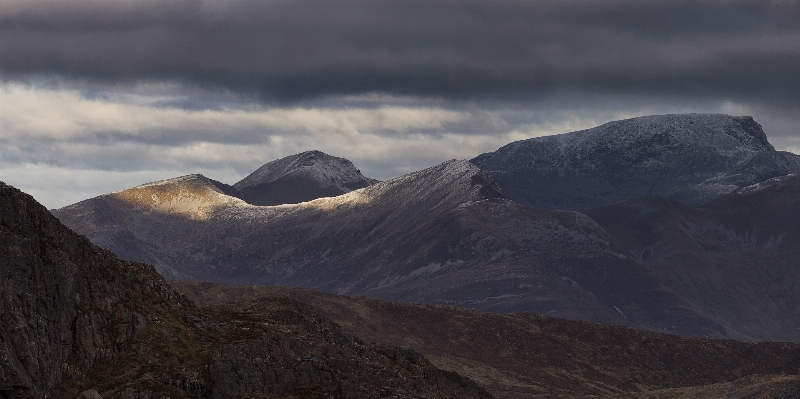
(495, 49)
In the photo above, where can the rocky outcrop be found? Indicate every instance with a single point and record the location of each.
(691, 159)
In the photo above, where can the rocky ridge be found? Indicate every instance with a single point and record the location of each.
(691, 159)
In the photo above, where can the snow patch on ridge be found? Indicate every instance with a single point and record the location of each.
(754, 188)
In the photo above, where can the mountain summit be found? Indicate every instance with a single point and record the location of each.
(301, 177)
(692, 159)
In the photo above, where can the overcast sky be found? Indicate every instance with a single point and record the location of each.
(101, 95)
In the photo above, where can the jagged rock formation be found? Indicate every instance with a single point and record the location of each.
(301, 177)
(522, 355)
(445, 235)
(77, 321)
(690, 159)
(734, 259)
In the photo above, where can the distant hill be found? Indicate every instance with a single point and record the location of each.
(299, 178)
(691, 159)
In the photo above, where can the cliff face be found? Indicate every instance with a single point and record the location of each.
(75, 319)
(66, 305)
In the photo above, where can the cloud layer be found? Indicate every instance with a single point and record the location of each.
(287, 50)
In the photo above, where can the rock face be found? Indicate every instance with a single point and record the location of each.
(734, 259)
(66, 305)
(76, 321)
(444, 235)
(690, 159)
(301, 177)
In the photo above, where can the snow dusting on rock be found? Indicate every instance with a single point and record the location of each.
(690, 158)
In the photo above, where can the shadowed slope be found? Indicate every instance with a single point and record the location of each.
(735, 259)
(67, 306)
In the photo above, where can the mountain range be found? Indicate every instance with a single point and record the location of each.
(80, 323)
(451, 235)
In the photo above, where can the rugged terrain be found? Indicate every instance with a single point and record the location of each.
(691, 159)
(78, 321)
(299, 178)
(523, 355)
(735, 259)
(444, 235)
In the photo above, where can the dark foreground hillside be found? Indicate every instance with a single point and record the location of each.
(523, 355)
(78, 322)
